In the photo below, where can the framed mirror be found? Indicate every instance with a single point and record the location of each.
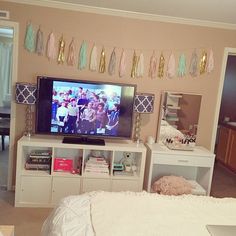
(178, 121)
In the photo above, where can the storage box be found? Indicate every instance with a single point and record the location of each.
(63, 164)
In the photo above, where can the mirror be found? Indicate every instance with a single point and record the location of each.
(178, 121)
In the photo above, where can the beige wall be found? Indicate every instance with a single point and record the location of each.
(129, 34)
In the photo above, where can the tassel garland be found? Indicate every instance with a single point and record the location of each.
(35, 43)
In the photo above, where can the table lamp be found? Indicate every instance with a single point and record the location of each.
(143, 103)
(26, 94)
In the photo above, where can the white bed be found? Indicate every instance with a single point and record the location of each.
(138, 214)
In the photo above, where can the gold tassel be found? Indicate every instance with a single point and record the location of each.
(134, 66)
(102, 64)
(61, 54)
(203, 62)
(161, 66)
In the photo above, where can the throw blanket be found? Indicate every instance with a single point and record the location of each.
(138, 214)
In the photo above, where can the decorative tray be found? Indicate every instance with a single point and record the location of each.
(180, 146)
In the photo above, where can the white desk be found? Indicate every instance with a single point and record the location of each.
(194, 165)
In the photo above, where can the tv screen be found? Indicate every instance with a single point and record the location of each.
(84, 108)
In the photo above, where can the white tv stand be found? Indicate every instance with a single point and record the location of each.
(38, 188)
(196, 166)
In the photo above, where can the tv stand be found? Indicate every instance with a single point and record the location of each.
(83, 140)
(39, 187)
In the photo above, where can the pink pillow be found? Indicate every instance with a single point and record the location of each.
(172, 185)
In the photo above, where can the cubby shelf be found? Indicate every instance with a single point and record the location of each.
(45, 188)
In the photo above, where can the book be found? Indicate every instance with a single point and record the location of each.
(30, 166)
(38, 153)
(33, 160)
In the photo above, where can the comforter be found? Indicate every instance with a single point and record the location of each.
(138, 214)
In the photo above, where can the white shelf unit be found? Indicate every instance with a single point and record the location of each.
(195, 166)
(36, 188)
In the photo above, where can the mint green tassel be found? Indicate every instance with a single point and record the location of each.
(83, 56)
(30, 38)
(182, 66)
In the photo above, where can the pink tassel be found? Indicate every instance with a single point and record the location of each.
(153, 66)
(51, 51)
(122, 66)
(210, 64)
(171, 67)
(140, 66)
(71, 54)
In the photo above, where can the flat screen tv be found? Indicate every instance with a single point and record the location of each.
(84, 111)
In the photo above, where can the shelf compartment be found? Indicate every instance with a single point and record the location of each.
(72, 159)
(26, 153)
(197, 188)
(131, 162)
(97, 163)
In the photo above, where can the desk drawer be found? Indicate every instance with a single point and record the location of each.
(182, 160)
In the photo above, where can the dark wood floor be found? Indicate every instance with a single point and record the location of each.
(223, 182)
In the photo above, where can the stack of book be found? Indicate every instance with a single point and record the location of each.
(39, 160)
(97, 165)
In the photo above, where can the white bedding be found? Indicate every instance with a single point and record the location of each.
(138, 214)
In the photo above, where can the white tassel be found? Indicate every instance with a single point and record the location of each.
(122, 66)
(93, 59)
(210, 64)
(171, 66)
(140, 66)
(51, 50)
